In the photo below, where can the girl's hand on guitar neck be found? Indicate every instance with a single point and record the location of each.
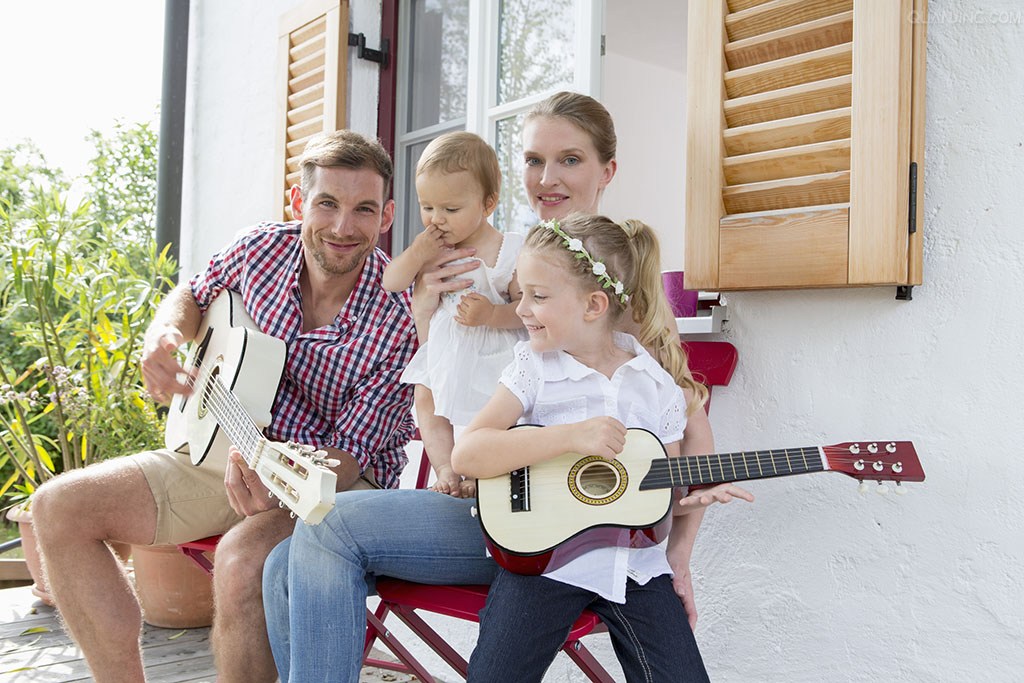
(246, 493)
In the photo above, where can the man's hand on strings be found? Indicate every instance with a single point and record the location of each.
(163, 374)
(246, 492)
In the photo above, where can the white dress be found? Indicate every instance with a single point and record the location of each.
(459, 364)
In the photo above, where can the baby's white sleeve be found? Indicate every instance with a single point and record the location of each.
(521, 376)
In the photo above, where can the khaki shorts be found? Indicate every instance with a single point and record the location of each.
(190, 501)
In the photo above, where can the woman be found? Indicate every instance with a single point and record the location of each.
(316, 583)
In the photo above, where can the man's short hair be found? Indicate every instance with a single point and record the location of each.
(345, 149)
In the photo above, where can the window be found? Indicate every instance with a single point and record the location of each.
(803, 121)
(313, 73)
(479, 65)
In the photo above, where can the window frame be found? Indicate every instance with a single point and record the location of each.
(482, 111)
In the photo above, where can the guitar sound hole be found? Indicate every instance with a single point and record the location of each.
(208, 388)
(598, 480)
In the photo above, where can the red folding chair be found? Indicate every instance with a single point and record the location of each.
(711, 362)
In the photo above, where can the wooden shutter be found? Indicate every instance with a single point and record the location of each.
(313, 81)
(803, 117)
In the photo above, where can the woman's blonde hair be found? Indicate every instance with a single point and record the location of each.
(630, 252)
(585, 113)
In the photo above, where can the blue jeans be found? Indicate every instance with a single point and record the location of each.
(315, 584)
(527, 618)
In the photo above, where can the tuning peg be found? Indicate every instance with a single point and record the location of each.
(291, 515)
(863, 488)
(900, 491)
(881, 489)
(473, 511)
(280, 504)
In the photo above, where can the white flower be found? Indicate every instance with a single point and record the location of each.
(575, 245)
(618, 287)
(599, 268)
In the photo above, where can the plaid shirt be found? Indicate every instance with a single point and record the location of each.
(340, 383)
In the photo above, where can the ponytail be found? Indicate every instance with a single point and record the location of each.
(652, 313)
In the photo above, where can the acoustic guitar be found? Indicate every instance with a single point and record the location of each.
(237, 371)
(540, 517)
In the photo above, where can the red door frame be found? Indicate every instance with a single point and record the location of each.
(387, 89)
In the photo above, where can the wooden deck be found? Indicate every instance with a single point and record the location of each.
(34, 648)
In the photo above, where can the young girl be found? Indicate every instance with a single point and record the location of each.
(585, 383)
(472, 332)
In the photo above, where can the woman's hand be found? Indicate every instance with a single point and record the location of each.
(439, 276)
(474, 310)
(722, 493)
(682, 583)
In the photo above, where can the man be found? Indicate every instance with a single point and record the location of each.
(314, 284)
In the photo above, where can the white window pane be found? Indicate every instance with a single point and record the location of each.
(411, 224)
(536, 49)
(513, 212)
(439, 56)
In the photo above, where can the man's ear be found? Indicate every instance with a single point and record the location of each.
(597, 305)
(387, 216)
(296, 202)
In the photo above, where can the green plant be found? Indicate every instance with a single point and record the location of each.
(78, 306)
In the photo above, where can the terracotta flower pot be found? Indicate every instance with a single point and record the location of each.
(173, 591)
(23, 518)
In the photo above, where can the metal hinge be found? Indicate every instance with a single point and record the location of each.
(358, 40)
(602, 44)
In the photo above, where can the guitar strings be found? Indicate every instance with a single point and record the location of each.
(222, 410)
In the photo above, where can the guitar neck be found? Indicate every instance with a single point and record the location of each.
(231, 416)
(722, 467)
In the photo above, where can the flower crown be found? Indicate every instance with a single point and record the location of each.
(597, 267)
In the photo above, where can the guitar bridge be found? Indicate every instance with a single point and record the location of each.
(519, 489)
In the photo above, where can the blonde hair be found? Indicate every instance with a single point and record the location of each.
(344, 149)
(585, 113)
(631, 254)
(462, 151)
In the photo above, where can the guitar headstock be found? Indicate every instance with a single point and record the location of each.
(876, 460)
(298, 476)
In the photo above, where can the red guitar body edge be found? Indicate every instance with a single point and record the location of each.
(581, 543)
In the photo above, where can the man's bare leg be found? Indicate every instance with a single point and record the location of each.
(240, 645)
(73, 515)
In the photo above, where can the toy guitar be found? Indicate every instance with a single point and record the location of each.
(537, 518)
(238, 370)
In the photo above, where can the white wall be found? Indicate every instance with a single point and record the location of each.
(231, 117)
(643, 85)
(813, 582)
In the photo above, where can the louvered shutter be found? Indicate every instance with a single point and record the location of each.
(313, 74)
(803, 119)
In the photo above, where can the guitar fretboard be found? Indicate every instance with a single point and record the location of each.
(241, 431)
(722, 467)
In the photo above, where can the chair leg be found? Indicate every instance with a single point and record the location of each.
(432, 638)
(586, 661)
(376, 629)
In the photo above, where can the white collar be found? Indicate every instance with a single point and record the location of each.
(559, 365)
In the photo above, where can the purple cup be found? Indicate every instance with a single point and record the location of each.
(683, 301)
